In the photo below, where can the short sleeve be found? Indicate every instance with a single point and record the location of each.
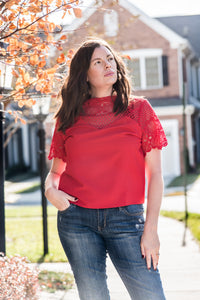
(153, 135)
(57, 148)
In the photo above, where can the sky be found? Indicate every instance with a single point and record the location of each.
(160, 8)
(153, 8)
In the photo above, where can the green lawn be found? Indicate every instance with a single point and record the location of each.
(191, 177)
(193, 221)
(33, 188)
(179, 181)
(24, 234)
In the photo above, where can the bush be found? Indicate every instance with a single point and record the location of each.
(17, 280)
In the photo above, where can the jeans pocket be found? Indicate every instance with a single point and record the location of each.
(132, 210)
(68, 209)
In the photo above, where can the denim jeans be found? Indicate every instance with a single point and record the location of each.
(87, 235)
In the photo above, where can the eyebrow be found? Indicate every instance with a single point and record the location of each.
(99, 58)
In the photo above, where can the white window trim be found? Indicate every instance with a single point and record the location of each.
(141, 54)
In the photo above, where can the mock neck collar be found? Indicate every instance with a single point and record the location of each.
(99, 105)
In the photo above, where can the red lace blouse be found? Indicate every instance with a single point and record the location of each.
(105, 154)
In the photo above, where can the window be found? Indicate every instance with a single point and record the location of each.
(147, 69)
(195, 80)
(111, 23)
(152, 71)
(6, 75)
(133, 66)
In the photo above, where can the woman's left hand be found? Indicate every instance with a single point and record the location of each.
(150, 246)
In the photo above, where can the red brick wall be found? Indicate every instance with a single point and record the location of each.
(133, 34)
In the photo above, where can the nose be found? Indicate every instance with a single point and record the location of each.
(107, 64)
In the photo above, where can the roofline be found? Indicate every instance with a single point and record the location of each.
(175, 39)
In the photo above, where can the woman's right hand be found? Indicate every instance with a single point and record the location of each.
(59, 198)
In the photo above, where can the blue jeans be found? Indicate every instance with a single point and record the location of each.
(87, 235)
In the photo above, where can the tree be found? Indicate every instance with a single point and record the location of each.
(26, 36)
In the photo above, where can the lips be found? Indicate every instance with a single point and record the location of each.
(109, 74)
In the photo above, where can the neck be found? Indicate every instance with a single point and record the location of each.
(101, 93)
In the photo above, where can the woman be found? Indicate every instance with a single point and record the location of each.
(103, 142)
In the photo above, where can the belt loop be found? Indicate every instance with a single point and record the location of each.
(105, 212)
(98, 220)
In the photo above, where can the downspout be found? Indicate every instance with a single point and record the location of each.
(180, 71)
(190, 144)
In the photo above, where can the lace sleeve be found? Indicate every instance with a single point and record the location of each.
(153, 135)
(57, 148)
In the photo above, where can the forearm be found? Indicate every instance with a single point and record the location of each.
(51, 190)
(154, 199)
(52, 181)
(150, 244)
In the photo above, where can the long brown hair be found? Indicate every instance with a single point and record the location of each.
(76, 89)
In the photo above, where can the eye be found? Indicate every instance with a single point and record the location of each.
(110, 58)
(97, 62)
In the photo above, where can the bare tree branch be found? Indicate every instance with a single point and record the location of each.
(11, 133)
(12, 129)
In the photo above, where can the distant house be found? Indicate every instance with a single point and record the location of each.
(21, 151)
(188, 28)
(163, 58)
(22, 141)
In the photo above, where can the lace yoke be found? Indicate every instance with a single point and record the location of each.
(98, 112)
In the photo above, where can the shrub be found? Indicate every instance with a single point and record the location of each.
(18, 281)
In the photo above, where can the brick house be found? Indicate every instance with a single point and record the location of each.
(160, 59)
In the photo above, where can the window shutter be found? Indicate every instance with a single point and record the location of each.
(165, 70)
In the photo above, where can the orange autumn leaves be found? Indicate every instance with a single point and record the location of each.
(28, 36)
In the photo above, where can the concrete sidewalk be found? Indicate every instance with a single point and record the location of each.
(179, 267)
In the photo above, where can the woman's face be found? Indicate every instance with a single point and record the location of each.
(102, 73)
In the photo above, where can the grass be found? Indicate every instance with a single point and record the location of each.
(24, 234)
(179, 181)
(190, 178)
(52, 281)
(31, 189)
(29, 211)
(193, 221)
(19, 177)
